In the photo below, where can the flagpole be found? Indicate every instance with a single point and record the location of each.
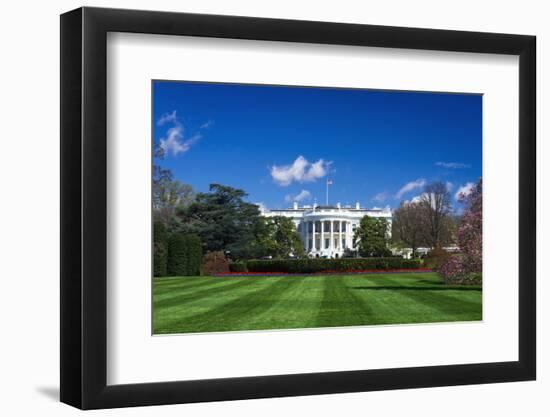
(327, 193)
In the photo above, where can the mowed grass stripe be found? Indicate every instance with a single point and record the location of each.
(388, 306)
(239, 313)
(339, 306)
(254, 303)
(190, 315)
(207, 285)
(294, 308)
(165, 289)
(424, 304)
(217, 290)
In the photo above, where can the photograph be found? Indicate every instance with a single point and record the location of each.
(301, 207)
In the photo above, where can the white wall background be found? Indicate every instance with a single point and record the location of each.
(29, 177)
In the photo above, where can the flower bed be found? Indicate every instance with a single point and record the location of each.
(327, 272)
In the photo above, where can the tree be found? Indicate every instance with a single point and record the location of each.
(285, 236)
(468, 264)
(470, 231)
(372, 237)
(194, 256)
(160, 249)
(221, 218)
(177, 255)
(436, 204)
(169, 195)
(408, 226)
(184, 255)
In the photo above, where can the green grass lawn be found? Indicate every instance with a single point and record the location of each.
(209, 304)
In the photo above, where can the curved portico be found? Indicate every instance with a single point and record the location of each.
(327, 231)
(327, 234)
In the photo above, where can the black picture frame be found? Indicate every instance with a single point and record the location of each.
(84, 207)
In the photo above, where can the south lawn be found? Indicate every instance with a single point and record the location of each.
(210, 304)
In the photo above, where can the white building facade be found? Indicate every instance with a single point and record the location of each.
(327, 231)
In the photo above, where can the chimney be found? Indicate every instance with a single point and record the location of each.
(357, 206)
(295, 205)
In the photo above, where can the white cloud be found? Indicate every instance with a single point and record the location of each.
(167, 118)
(301, 196)
(449, 186)
(423, 198)
(452, 165)
(410, 186)
(416, 199)
(465, 190)
(381, 197)
(207, 124)
(174, 141)
(301, 170)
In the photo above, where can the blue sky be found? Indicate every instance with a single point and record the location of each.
(281, 144)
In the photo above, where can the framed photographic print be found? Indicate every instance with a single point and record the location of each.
(256, 208)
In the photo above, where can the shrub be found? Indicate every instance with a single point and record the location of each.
(184, 255)
(436, 258)
(177, 255)
(215, 263)
(456, 271)
(308, 266)
(194, 257)
(160, 249)
(238, 267)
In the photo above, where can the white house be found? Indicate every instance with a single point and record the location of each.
(327, 231)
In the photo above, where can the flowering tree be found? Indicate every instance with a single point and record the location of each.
(470, 238)
(470, 232)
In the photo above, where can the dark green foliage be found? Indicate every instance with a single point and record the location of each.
(160, 249)
(274, 236)
(221, 218)
(238, 267)
(184, 255)
(194, 258)
(373, 237)
(308, 266)
(177, 255)
(214, 263)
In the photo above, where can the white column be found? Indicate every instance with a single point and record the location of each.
(313, 240)
(348, 234)
(307, 237)
(322, 248)
(340, 235)
(331, 246)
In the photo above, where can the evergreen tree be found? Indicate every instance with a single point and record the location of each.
(160, 249)
(372, 237)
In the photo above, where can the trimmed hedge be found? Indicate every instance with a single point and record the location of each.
(308, 266)
(160, 249)
(238, 267)
(184, 255)
(194, 258)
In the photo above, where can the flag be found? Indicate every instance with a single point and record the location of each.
(329, 182)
